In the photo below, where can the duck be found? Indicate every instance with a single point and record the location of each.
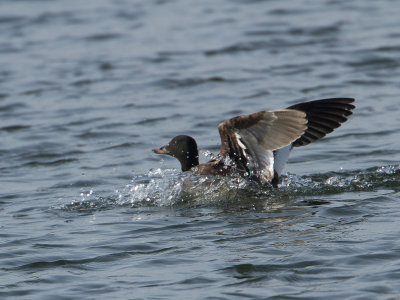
(257, 146)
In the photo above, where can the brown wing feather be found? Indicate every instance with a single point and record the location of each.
(323, 117)
(252, 135)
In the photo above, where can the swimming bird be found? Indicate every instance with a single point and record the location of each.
(257, 146)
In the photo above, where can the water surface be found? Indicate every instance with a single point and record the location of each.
(89, 88)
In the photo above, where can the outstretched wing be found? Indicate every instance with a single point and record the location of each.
(249, 140)
(323, 117)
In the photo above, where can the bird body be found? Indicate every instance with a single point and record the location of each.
(257, 146)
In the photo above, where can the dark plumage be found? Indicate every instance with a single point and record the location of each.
(183, 148)
(258, 145)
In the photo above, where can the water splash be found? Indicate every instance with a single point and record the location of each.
(208, 154)
(172, 187)
(160, 188)
(383, 177)
(156, 188)
(89, 201)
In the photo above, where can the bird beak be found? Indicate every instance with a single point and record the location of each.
(162, 150)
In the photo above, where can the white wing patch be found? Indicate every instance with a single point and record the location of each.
(281, 157)
(268, 170)
(241, 145)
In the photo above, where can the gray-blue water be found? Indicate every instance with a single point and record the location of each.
(88, 88)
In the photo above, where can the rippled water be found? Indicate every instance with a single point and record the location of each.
(88, 88)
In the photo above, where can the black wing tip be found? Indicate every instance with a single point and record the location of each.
(347, 110)
(343, 104)
(347, 101)
(344, 100)
(324, 116)
(338, 99)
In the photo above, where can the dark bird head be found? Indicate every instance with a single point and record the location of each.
(184, 148)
